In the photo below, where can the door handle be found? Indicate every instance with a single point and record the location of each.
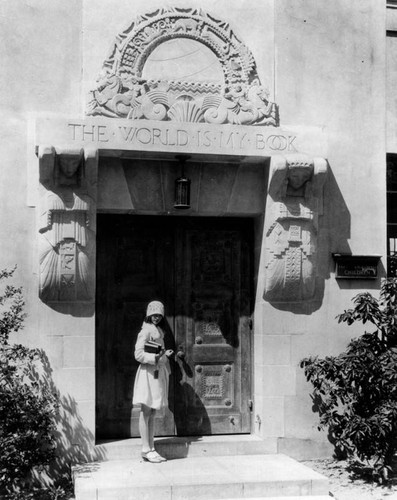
(180, 353)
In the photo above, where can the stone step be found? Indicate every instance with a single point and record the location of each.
(302, 497)
(182, 447)
(199, 478)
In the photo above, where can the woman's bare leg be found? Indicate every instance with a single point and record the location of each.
(144, 428)
(151, 428)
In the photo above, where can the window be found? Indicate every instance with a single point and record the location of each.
(392, 215)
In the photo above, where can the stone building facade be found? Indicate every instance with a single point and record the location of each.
(276, 112)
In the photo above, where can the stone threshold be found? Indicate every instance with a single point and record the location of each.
(182, 447)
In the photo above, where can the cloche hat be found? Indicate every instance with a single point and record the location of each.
(155, 307)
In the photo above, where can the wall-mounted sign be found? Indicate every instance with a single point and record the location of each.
(356, 266)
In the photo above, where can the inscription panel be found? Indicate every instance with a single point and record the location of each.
(123, 134)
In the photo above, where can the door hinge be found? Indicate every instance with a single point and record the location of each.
(250, 324)
(250, 405)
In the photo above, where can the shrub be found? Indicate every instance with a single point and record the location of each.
(356, 391)
(27, 405)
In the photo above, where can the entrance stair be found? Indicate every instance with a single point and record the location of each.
(206, 470)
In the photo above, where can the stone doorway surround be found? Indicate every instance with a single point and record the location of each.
(69, 298)
(68, 192)
(130, 117)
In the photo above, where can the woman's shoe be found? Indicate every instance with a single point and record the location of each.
(159, 457)
(150, 456)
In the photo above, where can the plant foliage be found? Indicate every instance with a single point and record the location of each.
(27, 405)
(356, 391)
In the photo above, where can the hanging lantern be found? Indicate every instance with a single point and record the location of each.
(182, 187)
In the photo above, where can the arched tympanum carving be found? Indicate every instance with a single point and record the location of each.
(122, 92)
(134, 45)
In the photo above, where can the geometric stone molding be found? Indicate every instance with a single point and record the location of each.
(295, 202)
(122, 92)
(67, 218)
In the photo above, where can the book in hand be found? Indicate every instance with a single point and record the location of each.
(152, 347)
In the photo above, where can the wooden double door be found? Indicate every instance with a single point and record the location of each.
(200, 268)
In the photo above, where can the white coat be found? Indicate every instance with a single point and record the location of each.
(150, 391)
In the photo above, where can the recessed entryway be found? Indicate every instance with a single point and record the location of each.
(202, 269)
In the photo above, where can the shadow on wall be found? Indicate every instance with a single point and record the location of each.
(189, 411)
(190, 414)
(307, 220)
(76, 309)
(75, 443)
(337, 222)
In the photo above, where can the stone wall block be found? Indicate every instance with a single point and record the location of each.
(76, 383)
(276, 380)
(78, 352)
(269, 416)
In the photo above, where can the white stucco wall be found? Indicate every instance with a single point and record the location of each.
(41, 73)
(330, 73)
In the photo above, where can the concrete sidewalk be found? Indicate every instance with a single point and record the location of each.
(209, 478)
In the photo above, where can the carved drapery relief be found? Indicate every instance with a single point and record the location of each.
(122, 92)
(295, 201)
(67, 208)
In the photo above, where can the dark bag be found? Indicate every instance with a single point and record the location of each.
(152, 347)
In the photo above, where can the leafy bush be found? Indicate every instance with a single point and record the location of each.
(356, 391)
(27, 405)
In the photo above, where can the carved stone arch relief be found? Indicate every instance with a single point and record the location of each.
(122, 92)
(149, 31)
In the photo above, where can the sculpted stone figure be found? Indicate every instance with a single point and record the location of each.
(264, 112)
(66, 227)
(113, 96)
(244, 105)
(294, 205)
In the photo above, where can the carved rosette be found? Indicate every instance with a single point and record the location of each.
(292, 226)
(122, 92)
(214, 385)
(67, 208)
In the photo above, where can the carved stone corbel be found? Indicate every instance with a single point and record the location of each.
(67, 218)
(294, 204)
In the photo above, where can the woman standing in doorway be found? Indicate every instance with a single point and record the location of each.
(151, 382)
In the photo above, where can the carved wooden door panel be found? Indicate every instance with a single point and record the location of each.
(213, 293)
(132, 269)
